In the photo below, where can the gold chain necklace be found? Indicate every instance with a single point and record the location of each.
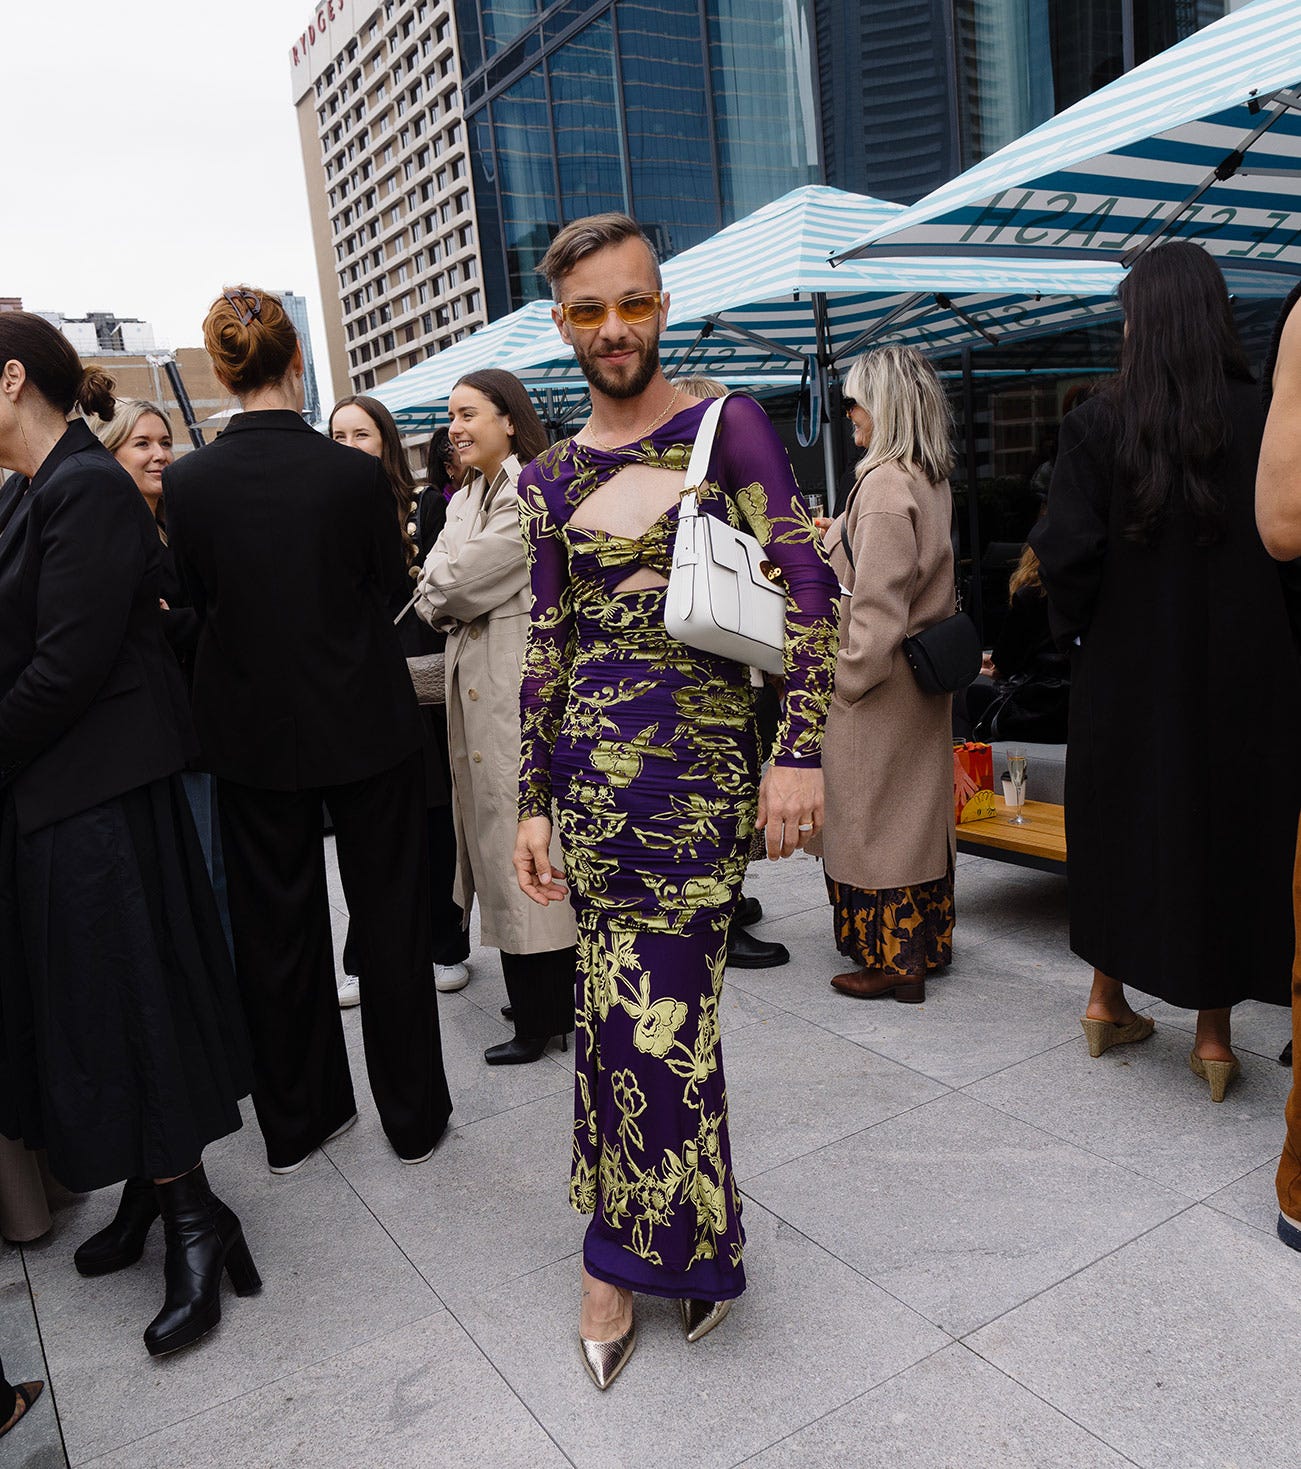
(636, 438)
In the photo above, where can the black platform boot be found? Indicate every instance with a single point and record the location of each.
(203, 1238)
(122, 1242)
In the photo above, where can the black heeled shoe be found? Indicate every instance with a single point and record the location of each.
(519, 1052)
(122, 1241)
(204, 1237)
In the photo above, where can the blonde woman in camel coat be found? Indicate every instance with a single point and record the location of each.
(475, 588)
(887, 756)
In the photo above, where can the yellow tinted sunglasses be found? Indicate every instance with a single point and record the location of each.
(589, 316)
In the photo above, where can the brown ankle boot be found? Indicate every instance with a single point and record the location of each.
(875, 984)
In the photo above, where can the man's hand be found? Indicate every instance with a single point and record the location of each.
(790, 808)
(537, 878)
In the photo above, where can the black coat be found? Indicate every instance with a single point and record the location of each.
(1182, 784)
(289, 548)
(91, 702)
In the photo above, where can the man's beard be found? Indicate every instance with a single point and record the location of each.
(632, 387)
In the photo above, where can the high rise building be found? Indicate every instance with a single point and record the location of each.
(377, 87)
(686, 113)
(691, 113)
(444, 150)
(296, 309)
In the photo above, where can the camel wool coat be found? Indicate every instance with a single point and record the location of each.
(887, 756)
(475, 588)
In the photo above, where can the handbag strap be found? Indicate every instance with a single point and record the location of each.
(701, 452)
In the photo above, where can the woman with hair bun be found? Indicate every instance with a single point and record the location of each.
(122, 1050)
(292, 556)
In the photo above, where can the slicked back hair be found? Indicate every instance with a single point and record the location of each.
(585, 237)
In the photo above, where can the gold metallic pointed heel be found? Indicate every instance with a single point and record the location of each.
(1217, 1074)
(700, 1317)
(1103, 1034)
(605, 1360)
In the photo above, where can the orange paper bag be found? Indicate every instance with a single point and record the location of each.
(973, 782)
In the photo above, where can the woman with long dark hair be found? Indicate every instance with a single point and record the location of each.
(475, 588)
(1182, 786)
(365, 423)
(122, 1046)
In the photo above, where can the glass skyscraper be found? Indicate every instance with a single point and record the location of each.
(686, 113)
(691, 113)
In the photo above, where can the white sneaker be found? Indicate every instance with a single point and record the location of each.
(449, 977)
(349, 992)
(339, 1131)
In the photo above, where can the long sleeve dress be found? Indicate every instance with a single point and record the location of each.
(1182, 783)
(647, 749)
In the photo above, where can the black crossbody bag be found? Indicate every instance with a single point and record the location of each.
(946, 656)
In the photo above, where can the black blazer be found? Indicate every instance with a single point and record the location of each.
(91, 702)
(289, 548)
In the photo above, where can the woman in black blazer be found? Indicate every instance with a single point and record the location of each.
(291, 554)
(122, 1050)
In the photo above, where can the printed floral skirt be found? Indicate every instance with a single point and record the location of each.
(906, 931)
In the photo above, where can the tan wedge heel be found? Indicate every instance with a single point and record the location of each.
(1217, 1074)
(1103, 1034)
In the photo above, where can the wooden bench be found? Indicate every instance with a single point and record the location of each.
(1041, 844)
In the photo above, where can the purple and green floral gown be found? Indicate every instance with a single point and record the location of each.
(647, 749)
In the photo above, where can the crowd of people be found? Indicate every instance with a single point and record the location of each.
(474, 681)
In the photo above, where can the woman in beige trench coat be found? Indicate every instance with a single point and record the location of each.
(887, 755)
(475, 587)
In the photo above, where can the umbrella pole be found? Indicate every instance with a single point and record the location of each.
(829, 463)
(975, 599)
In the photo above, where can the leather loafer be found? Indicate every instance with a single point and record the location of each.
(1286, 1058)
(1289, 1231)
(745, 951)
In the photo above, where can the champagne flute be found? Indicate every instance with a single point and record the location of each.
(1016, 774)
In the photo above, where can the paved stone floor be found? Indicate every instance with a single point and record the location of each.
(969, 1246)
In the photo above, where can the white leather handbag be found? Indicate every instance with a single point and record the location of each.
(724, 595)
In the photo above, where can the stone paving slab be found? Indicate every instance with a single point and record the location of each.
(1141, 1106)
(961, 1211)
(950, 1411)
(913, 1174)
(419, 1397)
(35, 1443)
(1178, 1349)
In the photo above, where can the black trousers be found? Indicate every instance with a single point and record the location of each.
(543, 991)
(451, 941)
(280, 918)
(8, 1397)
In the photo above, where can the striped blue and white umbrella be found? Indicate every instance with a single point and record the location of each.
(758, 304)
(1202, 142)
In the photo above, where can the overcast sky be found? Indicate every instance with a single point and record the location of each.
(150, 156)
